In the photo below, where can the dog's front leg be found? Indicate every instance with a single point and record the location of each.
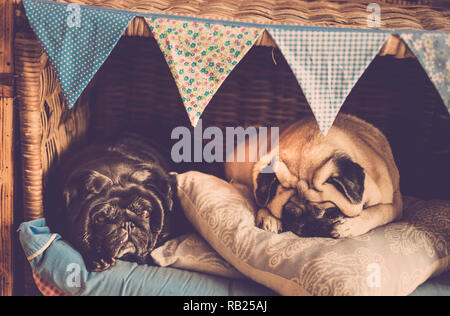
(98, 264)
(369, 219)
(265, 220)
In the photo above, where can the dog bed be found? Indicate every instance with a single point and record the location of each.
(392, 260)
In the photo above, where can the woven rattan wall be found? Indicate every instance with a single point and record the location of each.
(134, 87)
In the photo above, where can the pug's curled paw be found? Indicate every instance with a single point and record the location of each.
(102, 264)
(349, 227)
(268, 222)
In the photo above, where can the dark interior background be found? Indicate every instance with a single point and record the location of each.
(134, 90)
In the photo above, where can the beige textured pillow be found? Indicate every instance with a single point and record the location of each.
(390, 260)
(191, 252)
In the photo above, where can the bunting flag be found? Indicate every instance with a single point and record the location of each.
(433, 52)
(201, 56)
(77, 39)
(202, 53)
(327, 64)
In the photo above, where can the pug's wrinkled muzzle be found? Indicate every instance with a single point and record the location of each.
(309, 220)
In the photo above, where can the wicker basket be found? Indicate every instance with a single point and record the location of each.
(135, 87)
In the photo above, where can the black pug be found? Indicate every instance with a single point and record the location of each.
(118, 201)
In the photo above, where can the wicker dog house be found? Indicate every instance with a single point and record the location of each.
(134, 87)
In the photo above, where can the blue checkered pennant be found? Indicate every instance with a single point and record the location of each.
(327, 63)
(77, 39)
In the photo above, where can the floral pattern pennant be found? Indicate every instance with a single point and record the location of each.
(201, 56)
(433, 52)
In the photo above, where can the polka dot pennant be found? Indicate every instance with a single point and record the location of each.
(327, 64)
(201, 56)
(433, 52)
(77, 40)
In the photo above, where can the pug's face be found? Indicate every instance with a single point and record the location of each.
(312, 207)
(117, 212)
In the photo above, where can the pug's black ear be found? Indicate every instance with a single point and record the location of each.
(83, 183)
(350, 181)
(173, 181)
(173, 185)
(267, 184)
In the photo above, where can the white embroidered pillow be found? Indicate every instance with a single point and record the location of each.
(390, 260)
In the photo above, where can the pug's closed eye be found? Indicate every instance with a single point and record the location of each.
(103, 214)
(141, 208)
(144, 214)
(100, 218)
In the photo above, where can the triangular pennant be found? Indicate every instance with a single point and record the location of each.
(327, 64)
(77, 39)
(201, 56)
(433, 52)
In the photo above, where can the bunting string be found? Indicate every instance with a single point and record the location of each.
(201, 53)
